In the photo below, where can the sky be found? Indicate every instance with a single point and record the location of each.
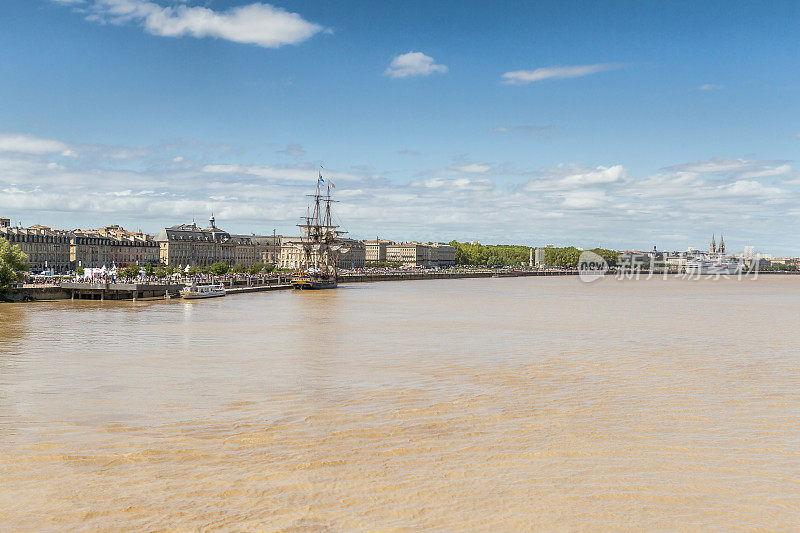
(624, 125)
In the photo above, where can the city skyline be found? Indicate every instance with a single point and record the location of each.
(513, 124)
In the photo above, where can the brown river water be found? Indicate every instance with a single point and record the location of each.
(459, 405)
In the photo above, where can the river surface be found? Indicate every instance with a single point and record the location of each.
(463, 405)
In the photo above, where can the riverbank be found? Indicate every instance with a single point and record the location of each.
(137, 291)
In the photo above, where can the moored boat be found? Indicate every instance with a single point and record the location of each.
(193, 292)
(719, 266)
(320, 244)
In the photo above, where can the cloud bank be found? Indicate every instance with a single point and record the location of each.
(587, 205)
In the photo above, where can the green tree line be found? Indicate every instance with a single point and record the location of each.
(513, 254)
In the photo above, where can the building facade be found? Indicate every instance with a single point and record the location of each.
(375, 251)
(352, 255)
(48, 250)
(188, 245)
(418, 255)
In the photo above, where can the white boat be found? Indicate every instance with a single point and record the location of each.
(719, 266)
(191, 292)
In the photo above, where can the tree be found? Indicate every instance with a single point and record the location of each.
(161, 272)
(255, 268)
(13, 265)
(148, 269)
(170, 270)
(239, 269)
(269, 267)
(193, 270)
(219, 269)
(79, 271)
(130, 271)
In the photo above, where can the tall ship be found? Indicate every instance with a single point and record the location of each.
(319, 244)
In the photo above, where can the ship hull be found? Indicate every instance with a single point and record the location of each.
(310, 284)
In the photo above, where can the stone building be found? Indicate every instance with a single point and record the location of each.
(291, 254)
(47, 249)
(375, 251)
(415, 254)
(188, 245)
(261, 248)
(353, 254)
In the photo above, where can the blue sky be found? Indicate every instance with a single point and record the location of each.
(621, 124)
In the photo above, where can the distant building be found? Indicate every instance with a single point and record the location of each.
(538, 257)
(47, 249)
(186, 244)
(415, 254)
(291, 253)
(353, 254)
(376, 250)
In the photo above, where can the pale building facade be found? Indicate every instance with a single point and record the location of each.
(375, 251)
(415, 254)
(47, 249)
(188, 245)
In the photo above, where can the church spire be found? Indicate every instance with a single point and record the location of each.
(721, 244)
(713, 248)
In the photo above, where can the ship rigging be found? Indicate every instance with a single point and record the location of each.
(320, 245)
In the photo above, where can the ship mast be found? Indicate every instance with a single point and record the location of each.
(319, 241)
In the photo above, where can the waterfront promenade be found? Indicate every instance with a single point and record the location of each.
(135, 290)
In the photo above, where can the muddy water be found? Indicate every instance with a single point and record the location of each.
(481, 404)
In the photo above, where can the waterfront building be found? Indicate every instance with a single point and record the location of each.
(352, 254)
(415, 254)
(375, 251)
(47, 249)
(260, 249)
(441, 255)
(291, 252)
(89, 250)
(112, 246)
(188, 245)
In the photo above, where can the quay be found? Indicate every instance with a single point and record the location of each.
(120, 291)
(136, 291)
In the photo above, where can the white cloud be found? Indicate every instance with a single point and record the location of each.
(29, 144)
(413, 64)
(474, 168)
(257, 23)
(596, 176)
(584, 199)
(572, 177)
(782, 170)
(710, 87)
(519, 77)
(462, 184)
(303, 173)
